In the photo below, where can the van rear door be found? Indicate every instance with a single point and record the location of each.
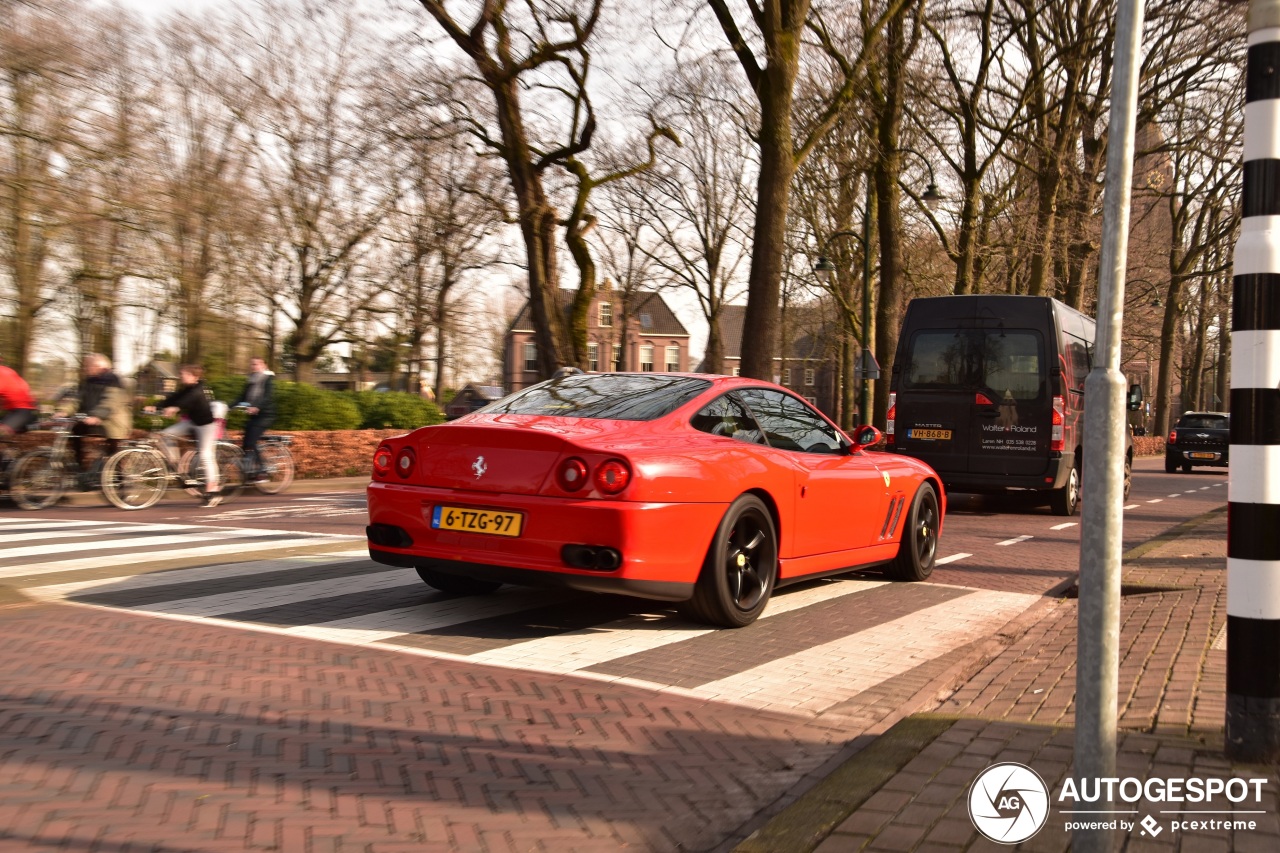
(932, 418)
(1012, 409)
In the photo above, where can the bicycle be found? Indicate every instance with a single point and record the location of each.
(137, 476)
(38, 479)
(275, 469)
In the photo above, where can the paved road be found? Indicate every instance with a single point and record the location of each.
(523, 720)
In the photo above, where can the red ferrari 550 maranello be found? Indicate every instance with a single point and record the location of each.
(708, 490)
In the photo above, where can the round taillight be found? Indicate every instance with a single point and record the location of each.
(613, 476)
(1173, 437)
(404, 462)
(382, 462)
(572, 475)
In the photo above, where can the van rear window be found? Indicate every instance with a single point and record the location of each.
(1008, 363)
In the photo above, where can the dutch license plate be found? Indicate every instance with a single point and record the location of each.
(491, 521)
(1203, 455)
(929, 434)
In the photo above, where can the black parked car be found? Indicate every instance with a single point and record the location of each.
(1198, 438)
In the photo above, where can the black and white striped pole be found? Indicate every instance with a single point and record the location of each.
(1253, 508)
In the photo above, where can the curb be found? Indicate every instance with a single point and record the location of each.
(298, 487)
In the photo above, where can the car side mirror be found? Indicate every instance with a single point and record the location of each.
(866, 435)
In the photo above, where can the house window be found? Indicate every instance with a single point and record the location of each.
(646, 321)
(646, 358)
(593, 357)
(617, 357)
(786, 376)
(808, 376)
(673, 359)
(530, 356)
(737, 371)
(606, 314)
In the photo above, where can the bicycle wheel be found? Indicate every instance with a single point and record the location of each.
(135, 478)
(275, 468)
(37, 482)
(230, 471)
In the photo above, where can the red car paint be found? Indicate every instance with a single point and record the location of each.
(832, 510)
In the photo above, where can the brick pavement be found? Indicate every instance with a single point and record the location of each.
(908, 790)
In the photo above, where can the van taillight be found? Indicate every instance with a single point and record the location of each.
(1058, 429)
(981, 399)
(890, 416)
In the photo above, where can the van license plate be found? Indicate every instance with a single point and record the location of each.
(1203, 455)
(929, 434)
(493, 522)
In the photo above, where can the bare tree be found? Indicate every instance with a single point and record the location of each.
(40, 66)
(769, 46)
(699, 196)
(308, 70)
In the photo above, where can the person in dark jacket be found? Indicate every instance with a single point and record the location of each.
(258, 398)
(190, 401)
(105, 404)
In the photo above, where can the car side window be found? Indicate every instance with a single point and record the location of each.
(790, 424)
(727, 416)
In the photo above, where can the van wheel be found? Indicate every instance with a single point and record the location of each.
(1066, 500)
(1128, 476)
(919, 546)
(738, 574)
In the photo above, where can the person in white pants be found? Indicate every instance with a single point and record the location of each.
(191, 401)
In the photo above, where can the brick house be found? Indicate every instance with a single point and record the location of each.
(808, 366)
(641, 334)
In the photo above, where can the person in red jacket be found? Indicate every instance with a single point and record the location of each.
(17, 406)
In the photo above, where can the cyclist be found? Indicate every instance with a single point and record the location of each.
(191, 401)
(258, 398)
(105, 403)
(17, 406)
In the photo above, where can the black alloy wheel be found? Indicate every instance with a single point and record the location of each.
(741, 567)
(918, 549)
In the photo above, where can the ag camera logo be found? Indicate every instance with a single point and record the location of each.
(1008, 803)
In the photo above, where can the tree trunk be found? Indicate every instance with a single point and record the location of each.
(1168, 341)
(773, 186)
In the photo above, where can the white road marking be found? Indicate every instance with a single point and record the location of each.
(1156, 500)
(1015, 540)
(1131, 506)
(1175, 495)
(950, 559)
(1064, 525)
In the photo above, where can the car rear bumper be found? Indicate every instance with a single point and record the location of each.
(659, 590)
(1178, 456)
(661, 545)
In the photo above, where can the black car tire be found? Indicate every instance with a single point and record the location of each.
(1066, 501)
(919, 546)
(740, 569)
(1170, 467)
(1186, 467)
(456, 584)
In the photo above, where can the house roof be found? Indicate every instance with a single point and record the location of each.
(662, 321)
(813, 345)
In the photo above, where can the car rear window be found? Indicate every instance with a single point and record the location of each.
(1007, 362)
(1204, 422)
(612, 396)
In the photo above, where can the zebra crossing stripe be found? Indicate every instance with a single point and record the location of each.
(142, 557)
(79, 533)
(1253, 504)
